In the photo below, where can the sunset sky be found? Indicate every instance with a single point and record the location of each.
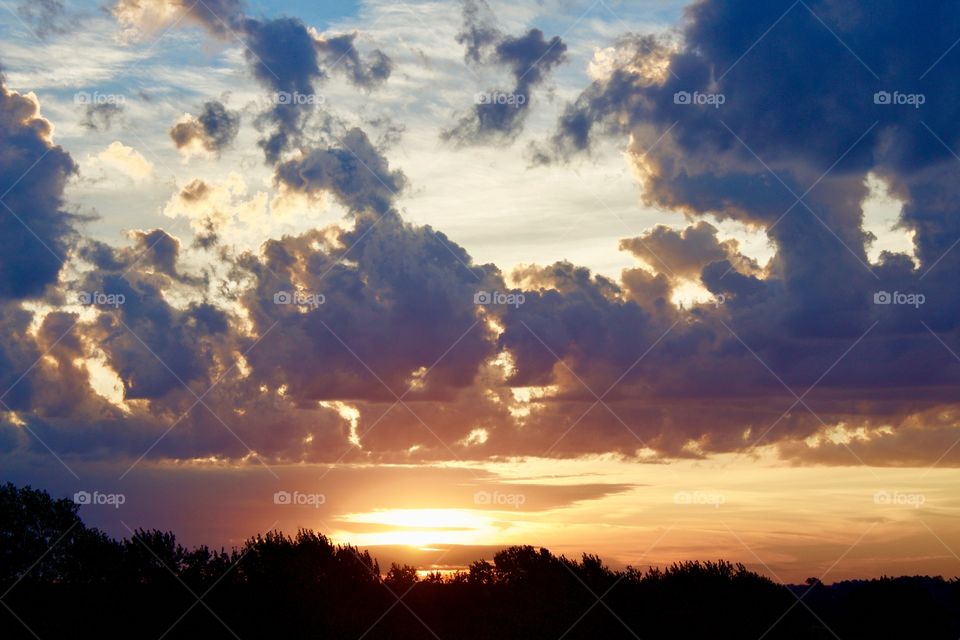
(647, 279)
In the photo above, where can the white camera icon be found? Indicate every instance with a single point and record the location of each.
(282, 497)
(881, 97)
(481, 497)
(882, 297)
(82, 497)
(81, 97)
(283, 297)
(283, 97)
(482, 297)
(681, 97)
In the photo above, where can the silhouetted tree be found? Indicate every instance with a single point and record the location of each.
(69, 580)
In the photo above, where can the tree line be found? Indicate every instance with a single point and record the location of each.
(60, 578)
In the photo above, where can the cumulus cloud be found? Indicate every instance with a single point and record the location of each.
(35, 231)
(286, 56)
(684, 254)
(291, 59)
(398, 305)
(714, 133)
(302, 349)
(283, 56)
(213, 130)
(126, 160)
(213, 207)
(353, 171)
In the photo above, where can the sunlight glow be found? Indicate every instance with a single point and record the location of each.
(348, 413)
(419, 527)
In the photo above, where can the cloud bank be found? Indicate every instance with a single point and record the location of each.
(377, 340)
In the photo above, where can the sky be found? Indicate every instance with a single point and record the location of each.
(653, 280)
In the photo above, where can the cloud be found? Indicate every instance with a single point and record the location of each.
(353, 171)
(499, 114)
(159, 349)
(910, 443)
(46, 17)
(137, 17)
(725, 125)
(126, 160)
(684, 254)
(213, 130)
(286, 56)
(101, 116)
(283, 56)
(216, 207)
(303, 346)
(35, 231)
(399, 303)
(479, 31)
(340, 54)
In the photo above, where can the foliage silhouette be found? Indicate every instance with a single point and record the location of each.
(59, 577)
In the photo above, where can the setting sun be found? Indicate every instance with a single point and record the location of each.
(473, 319)
(418, 527)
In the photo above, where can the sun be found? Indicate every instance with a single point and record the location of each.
(417, 527)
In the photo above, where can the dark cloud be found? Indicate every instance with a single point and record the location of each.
(215, 128)
(17, 353)
(397, 296)
(158, 251)
(354, 172)
(685, 253)
(283, 56)
(340, 54)
(222, 17)
(34, 229)
(499, 114)
(302, 349)
(286, 58)
(100, 117)
(155, 348)
(479, 31)
(397, 300)
(911, 443)
(803, 112)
